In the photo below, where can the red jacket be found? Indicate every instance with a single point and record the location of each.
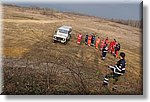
(90, 37)
(79, 36)
(111, 44)
(107, 41)
(114, 44)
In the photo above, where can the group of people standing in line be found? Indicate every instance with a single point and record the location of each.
(105, 45)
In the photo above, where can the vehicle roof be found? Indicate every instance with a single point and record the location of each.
(65, 27)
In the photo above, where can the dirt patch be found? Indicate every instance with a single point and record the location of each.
(14, 52)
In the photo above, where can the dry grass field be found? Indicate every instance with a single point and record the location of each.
(33, 64)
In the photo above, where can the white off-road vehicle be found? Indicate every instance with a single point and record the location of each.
(63, 34)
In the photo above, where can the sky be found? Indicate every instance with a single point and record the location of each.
(118, 9)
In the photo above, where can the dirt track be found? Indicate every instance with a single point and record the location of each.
(33, 21)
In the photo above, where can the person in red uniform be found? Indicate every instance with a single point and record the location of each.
(113, 46)
(106, 41)
(97, 42)
(79, 38)
(110, 46)
(102, 44)
(89, 40)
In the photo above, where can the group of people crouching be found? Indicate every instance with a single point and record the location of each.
(107, 46)
(104, 45)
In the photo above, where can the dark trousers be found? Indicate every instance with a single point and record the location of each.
(92, 41)
(86, 40)
(104, 54)
(111, 75)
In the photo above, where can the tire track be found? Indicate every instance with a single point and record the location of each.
(33, 21)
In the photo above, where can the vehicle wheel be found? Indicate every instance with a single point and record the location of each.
(65, 43)
(54, 41)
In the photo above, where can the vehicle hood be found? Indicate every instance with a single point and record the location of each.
(61, 35)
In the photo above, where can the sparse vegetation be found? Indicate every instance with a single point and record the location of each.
(134, 23)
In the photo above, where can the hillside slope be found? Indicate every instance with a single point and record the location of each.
(33, 64)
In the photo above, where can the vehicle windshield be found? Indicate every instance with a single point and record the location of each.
(63, 31)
